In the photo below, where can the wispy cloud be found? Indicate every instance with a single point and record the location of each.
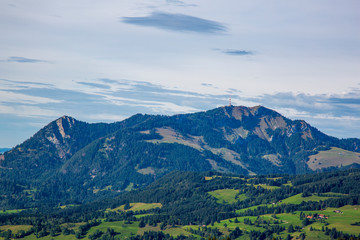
(108, 117)
(177, 22)
(234, 91)
(27, 111)
(180, 3)
(96, 85)
(10, 84)
(207, 85)
(107, 80)
(335, 105)
(24, 60)
(235, 52)
(14, 97)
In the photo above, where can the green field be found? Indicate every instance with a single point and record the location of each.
(215, 176)
(274, 178)
(68, 206)
(176, 231)
(138, 207)
(11, 211)
(232, 225)
(138, 216)
(227, 196)
(289, 218)
(122, 229)
(73, 226)
(147, 229)
(288, 184)
(48, 237)
(211, 178)
(107, 188)
(342, 221)
(15, 228)
(130, 187)
(332, 194)
(173, 231)
(266, 186)
(297, 199)
(250, 208)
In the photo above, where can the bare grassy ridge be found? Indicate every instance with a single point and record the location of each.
(335, 157)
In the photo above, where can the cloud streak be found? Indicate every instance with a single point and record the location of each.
(27, 111)
(177, 22)
(24, 60)
(180, 3)
(322, 104)
(94, 85)
(235, 52)
(10, 84)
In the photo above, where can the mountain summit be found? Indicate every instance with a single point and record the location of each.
(86, 161)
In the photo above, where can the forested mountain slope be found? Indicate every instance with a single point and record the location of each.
(72, 161)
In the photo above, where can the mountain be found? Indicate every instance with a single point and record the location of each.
(73, 161)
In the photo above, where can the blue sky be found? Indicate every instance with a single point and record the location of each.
(103, 61)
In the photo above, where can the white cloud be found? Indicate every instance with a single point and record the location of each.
(27, 111)
(11, 97)
(153, 106)
(338, 118)
(106, 117)
(293, 113)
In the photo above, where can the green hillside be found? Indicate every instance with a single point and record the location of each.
(189, 205)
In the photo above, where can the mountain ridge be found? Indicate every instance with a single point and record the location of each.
(87, 161)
